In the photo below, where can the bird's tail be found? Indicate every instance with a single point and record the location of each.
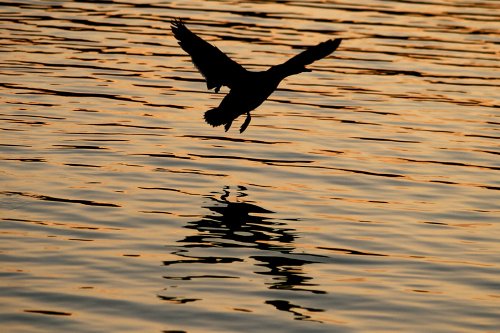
(216, 117)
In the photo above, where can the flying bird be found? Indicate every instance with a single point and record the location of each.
(248, 89)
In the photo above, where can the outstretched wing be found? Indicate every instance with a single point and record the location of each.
(297, 63)
(217, 68)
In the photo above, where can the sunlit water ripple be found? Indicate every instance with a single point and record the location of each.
(362, 198)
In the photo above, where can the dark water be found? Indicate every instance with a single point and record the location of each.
(362, 198)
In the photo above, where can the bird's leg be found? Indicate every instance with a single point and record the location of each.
(228, 125)
(246, 123)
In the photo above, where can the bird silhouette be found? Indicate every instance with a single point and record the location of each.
(248, 89)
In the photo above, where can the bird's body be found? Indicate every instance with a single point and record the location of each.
(244, 96)
(248, 89)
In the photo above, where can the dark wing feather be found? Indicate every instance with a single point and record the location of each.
(217, 68)
(297, 63)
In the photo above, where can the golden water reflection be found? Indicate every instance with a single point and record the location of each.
(362, 198)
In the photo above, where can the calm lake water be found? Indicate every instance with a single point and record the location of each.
(364, 196)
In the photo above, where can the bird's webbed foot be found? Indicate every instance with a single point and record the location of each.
(245, 123)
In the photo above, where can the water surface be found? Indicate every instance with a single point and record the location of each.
(362, 198)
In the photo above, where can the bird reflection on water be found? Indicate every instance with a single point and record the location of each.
(244, 224)
(248, 89)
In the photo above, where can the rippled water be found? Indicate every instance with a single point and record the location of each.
(362, 198)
